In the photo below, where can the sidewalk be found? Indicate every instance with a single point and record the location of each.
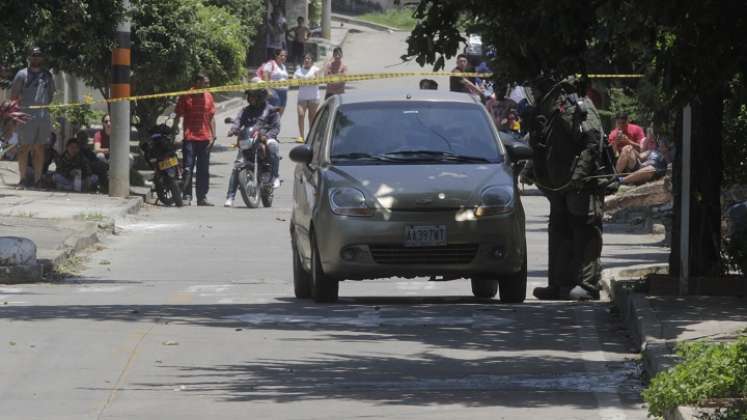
(59, 223)
(659, 323)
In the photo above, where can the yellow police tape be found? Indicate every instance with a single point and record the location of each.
(295, 83)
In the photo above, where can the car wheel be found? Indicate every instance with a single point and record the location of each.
(301, 277)
(484, 288)
(514, 287)
(323, 289)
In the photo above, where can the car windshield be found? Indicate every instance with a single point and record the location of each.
(413, 132)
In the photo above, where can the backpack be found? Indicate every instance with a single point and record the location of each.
(261, 70)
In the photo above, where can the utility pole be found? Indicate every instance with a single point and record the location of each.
(327, 19)
(686, 185)
(119, 161)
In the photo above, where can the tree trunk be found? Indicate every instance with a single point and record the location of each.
(705, 193)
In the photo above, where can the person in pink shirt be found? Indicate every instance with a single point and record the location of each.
(627, 142)
(626, 134)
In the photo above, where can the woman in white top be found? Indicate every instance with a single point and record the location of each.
(275, 70)
(308, 95)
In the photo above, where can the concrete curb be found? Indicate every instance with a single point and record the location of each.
(349, 19)
(640, 319)
(72, 246)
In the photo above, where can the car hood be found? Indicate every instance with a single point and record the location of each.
(423, 187)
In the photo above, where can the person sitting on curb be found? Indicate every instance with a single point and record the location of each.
(649, 165)
(73, 170)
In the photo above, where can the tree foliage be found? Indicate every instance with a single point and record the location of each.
(73, 34)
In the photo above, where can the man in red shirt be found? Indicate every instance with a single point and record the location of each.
(626, 134)
(198, 111)
(627, 142)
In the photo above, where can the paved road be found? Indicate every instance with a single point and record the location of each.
(188, 314)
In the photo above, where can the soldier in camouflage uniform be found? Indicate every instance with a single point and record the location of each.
(566, 135)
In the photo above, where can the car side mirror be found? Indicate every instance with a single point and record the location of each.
(519, 151)
(302, 154)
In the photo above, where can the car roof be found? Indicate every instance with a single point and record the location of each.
(414, 94)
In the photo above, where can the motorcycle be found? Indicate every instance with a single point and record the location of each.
(160, 152)
(254, 168)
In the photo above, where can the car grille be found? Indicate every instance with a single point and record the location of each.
(450, 254)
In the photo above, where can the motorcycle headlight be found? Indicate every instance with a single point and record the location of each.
(349, 202)
(496, 200)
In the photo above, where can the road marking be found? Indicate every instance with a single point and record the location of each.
(370, 319)
(10, 290)
(415, 285)
(595, 361)
(146, 227)
(207, 290)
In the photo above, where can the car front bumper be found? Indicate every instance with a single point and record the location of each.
(356, 248)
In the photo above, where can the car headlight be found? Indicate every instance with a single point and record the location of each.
(349, 202)
(496, 200)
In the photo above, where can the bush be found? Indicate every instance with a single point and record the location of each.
(707, 371)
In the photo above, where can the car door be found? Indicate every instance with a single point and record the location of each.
(306, 184)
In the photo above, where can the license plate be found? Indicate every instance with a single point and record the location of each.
(245, 144)
(168, 163)
(420, 236)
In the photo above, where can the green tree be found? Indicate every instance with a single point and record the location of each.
(694, 49)
(172, 41)
(73, 34)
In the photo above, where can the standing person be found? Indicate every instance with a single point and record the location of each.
(102, 137)
(458, 83)
(274, 70)
(308, 95)
(198, 111)
(565, 132)
(32, 86)
(300, 36)
(276, 29)
(335, 68)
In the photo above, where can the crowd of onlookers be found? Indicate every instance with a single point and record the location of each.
(27, 136)
(639, 156)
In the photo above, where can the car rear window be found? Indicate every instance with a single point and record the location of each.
(384, 128)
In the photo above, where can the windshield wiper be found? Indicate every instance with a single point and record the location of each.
(431, 155)
(360, 156)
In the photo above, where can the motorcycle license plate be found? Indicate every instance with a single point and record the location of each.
(168, 163)
(245, 144)
(420, 236)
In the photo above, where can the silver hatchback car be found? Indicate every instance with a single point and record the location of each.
(408, 185)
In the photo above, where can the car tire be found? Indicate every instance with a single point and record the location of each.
(301, 277)
(514, 287)
(323, 289)
(484, 288)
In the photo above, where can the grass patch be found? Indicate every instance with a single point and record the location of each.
(396, 18)
(709, 372)
(69, 267)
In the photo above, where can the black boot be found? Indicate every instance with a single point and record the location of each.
(551, 293)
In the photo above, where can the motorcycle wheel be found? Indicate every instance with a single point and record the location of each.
(169, 191)
(249, 189)
(176, 191)
(268, 192)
